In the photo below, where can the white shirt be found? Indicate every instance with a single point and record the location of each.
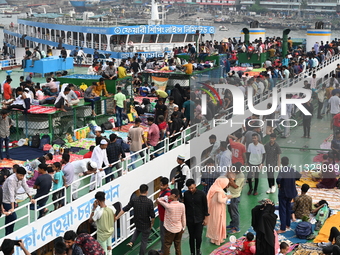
(19, 101)
(91, 70)
(2, 85)
(286, 74)
(99, 212)
(81, 53)
(100, 156)
(80, 166)
(256, 152)
(61, 95)
(224, 159)
(39, 94)
(187, 173)
(334, 101)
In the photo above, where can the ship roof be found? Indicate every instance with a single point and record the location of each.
(48, 15)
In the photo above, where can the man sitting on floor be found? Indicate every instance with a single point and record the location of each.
(62, 103)
(303, 204)
(50, 88)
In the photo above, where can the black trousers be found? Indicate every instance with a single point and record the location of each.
(253, 173)
(306, 127)
(195, 235)
(270, 175)
(332, 248)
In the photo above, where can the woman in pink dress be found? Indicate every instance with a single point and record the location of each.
(217, 203)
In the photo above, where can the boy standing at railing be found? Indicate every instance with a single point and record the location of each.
(58, 182)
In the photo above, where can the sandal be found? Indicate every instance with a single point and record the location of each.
(130, 244)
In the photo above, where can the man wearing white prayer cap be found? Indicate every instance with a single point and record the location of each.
(99, 156)
(81, 168)
(98, 134)
(182, 175)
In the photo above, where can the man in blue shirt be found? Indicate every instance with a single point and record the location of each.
(287, 191)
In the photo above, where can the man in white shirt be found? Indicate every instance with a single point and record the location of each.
(72, 97)
(224, 159)
(80, 56)
(334, 103)
(285, 73)
(99, 156)
(215, 148)
(10, 188)
(255, 158)
(62, 103)
(81, 168)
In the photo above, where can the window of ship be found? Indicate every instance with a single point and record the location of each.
(178, 38)
(118, 39)
(135, 38)
(150, 38)
(164, 38)
(190, 38)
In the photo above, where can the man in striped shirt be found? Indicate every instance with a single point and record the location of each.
(174, 222)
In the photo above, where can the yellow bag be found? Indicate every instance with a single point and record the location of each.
(130, 117)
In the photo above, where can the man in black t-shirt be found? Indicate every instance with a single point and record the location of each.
(134, 66)
(43, 185)
(28, 55)
(161, 109)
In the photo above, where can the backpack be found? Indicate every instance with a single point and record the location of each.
(106, 126)
(35, 141)
(59, 141)
(45, 139)
(303, 229)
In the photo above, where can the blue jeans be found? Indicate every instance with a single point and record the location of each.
(40, 204)
(135, 157)
(119, 112)
(79, 60)
(6, 139)
(108, 170)
(92, 101)
(8, 219)
(234, 213)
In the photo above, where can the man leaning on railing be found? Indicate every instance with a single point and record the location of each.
(10, 188)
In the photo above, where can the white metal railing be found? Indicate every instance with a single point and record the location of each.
(184, 136)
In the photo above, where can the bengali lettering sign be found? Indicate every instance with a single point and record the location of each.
(40, 234)
(162, 29)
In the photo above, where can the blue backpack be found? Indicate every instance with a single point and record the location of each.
(45, 139)
(303, 229)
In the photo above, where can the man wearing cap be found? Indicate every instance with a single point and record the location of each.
(5, 124)
(99, 156)
(98, 134)
(81, 168)
(29, 78)
(182, 175)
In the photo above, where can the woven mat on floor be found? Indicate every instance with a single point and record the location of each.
(308, 249)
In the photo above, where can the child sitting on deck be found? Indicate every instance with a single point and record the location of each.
(248, 245)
